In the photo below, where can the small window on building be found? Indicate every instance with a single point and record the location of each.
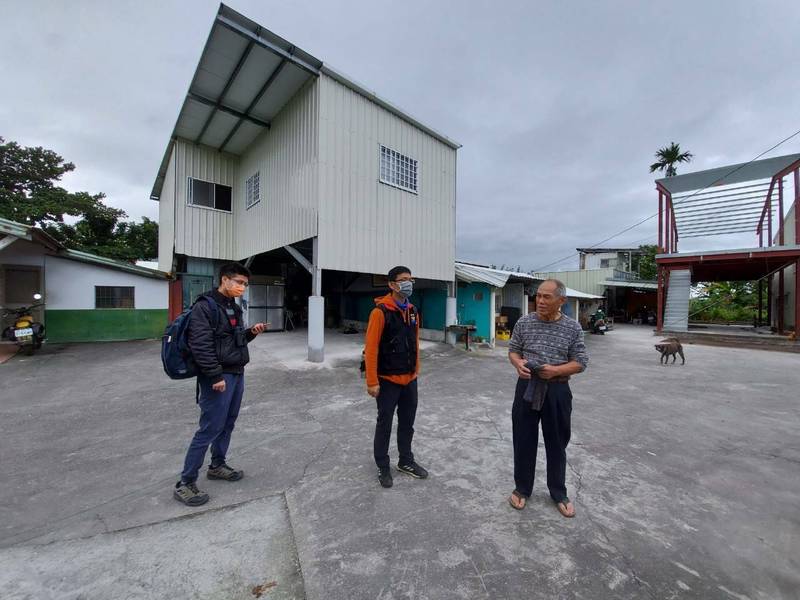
(113, 296)
(209, 195)
(607, 263)
(253, 188)
(398, 170)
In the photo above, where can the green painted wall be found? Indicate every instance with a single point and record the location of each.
(431, 304)
(104, 325)
(472, 311)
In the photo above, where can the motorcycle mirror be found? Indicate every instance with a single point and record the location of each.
(37, 296)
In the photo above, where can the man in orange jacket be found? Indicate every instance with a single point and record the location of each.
(391, 356)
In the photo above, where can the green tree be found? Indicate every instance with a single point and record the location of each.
(28, 190)
(645, 263)
(668, 157)
(725, 301)
(29, 194)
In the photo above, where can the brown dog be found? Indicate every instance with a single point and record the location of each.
(670, 347)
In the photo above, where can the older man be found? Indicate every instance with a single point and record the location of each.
(546, 348)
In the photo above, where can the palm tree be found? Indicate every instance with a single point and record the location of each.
(668, 157)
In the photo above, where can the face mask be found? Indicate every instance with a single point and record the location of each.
(406, 288)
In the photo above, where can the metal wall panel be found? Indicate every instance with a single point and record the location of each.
(591, 281)
(166, 219)
(286, 157)
(367, 226)
(199, 231)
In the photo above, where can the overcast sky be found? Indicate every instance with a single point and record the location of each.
(559, 105)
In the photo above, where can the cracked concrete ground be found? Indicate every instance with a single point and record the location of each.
(684, 479)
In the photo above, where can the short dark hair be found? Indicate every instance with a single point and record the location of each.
(234, 268)
(398, 270)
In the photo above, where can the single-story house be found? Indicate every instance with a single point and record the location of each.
(87, 298)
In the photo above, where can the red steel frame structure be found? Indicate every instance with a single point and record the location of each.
(727, 211)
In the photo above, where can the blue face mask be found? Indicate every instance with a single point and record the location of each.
(406, 288)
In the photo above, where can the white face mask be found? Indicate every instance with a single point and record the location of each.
(406, 288)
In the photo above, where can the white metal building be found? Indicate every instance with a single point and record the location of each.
(282, 162)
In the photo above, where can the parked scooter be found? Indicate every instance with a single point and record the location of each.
(27, 333)
(597, 323)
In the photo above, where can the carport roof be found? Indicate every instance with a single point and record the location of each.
(245, 76)
(746, 264)
(499, 278)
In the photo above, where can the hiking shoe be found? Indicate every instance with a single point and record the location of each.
(414, 470)
(385, 477)
(223, 471)
(189, 494)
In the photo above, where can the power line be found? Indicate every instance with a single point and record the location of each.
(681, 201)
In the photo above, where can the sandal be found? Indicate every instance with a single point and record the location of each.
(521, 500)
(562, 507)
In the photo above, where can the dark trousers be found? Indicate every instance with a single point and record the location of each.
(404, 399)
(218, 412)
(555, 418)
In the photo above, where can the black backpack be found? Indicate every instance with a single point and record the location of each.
(175, 354)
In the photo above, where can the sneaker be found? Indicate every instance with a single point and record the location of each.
(385, 477)
(225, 472)
(189, 494)
(414, 470)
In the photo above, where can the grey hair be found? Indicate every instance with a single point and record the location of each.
(561, 289)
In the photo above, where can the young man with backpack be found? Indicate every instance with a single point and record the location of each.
(391, 358)
(218, 342)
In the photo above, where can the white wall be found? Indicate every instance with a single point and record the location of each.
(593, 260)
(286, 157)
(70, 285)
(166, 219)
(368, 226)
(200, 231)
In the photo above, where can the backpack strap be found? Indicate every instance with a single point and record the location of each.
(214, 310)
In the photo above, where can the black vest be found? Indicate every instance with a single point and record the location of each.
(397, 352)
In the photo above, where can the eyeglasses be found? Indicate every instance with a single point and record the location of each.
(401, 280)
(240, 283)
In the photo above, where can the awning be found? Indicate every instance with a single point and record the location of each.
(494, 277)
(500, 278)
(639, 285)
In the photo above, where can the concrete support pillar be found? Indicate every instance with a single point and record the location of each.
(316, 312)
(450, 313)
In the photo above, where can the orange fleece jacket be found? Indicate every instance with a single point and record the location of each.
(373, 340)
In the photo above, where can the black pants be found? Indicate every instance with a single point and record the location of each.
(555, 418)
(404, 399)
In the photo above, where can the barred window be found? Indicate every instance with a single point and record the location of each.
(398, 170)
(113, 296)
(253, 188)
(209, 195)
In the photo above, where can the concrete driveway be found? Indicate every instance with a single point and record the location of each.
(684, 477)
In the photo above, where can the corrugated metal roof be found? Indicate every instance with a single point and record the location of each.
(102, 261)
(642, 285)
(499, 278)
(494, 277)
(245, 76)
(727, 175)
(34, 234)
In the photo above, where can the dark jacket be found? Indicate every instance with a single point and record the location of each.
(220, 349)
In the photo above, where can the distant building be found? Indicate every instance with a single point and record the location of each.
(607, 258)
